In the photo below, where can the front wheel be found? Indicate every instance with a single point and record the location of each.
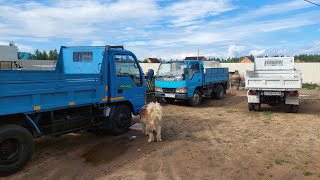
(16, 148)
(195, 99)
(121, 119)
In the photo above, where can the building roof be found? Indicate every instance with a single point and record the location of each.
(154, 60)
(249, 57)
(195, 58)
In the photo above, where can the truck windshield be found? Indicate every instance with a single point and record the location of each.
(172, 68)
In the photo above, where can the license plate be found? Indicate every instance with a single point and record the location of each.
(272, 93)
(170, 95)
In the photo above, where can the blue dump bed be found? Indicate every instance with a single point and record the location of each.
(216, 75)
(76, 81)
(28, 91)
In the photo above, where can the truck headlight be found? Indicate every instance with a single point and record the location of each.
(182, 90)
(158, 89)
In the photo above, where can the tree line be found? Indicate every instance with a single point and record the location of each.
(37, 54)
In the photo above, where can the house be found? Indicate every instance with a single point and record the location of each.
(296, 60)
(247, 59)
(201, 58)
(153, 60)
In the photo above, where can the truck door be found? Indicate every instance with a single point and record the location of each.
(194, 77)
(129, 81)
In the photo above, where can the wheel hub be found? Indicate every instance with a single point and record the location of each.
(9, 149)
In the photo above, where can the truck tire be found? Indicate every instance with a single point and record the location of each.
(257, 106)
(195, 99)
(121, 119)
(219, 93)
(250, 106)
(294, 108)
(287, 108)
(16, 148)
(169, 100)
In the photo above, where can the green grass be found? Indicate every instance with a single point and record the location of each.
(278, 161)
(267, 117)
(307, 173)
(309, 86)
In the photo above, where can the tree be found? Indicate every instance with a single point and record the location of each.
(44, 55)
(55, 55)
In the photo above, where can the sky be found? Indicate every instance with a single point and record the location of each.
(165, 29)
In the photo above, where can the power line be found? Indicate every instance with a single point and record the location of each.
(312, 3)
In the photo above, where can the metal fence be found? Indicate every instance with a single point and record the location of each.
(310, 71)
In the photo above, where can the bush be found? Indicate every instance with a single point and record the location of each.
(309, 86)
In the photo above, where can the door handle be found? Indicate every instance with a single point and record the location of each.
(120, 90)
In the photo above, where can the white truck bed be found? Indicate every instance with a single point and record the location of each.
(256, 80)
(274, 74)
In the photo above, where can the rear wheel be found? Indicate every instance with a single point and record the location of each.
(257, 107)
(121, 119)
(294, 108)
(169, 100)
(220, 92)
(287, 108)
(195, 99)
(250, 106)
(16, 148)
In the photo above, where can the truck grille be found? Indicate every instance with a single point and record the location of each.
(169, 90)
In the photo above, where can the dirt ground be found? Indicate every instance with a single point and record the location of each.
(220, 139)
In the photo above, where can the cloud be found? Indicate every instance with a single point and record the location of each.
(191, 12)
(234, 50)
(166, 29)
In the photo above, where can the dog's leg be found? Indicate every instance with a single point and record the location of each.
(158, 131)
(143, 126)
(151, 137)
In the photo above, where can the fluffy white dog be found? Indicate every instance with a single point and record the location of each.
(151, 120)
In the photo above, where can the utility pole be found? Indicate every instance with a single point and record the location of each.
(198, 55)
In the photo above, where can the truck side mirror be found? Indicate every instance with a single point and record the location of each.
(185, 70)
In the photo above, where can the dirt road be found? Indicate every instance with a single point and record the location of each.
(220, 139)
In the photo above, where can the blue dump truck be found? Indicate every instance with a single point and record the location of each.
(190, 81)
(97, 87)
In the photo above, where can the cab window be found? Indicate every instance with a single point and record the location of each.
(126, 66)
(193, 68)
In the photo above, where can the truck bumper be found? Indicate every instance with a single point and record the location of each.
(179, 96)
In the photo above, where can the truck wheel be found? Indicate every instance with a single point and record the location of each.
(169, 100)
(294, 108)
(121, 119)
(257, 107)
(250, 106)
(287, 108)
(220, 92)
(16, 148)
(195, 99)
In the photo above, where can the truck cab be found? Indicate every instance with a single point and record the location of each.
(189, 81)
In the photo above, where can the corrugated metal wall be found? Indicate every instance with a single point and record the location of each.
(310, 71)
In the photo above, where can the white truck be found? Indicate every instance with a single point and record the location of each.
(273, 80)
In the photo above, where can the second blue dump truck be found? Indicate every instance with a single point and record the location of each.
(190, 81)
(92, 86)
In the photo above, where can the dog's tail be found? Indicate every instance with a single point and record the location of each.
(155, 111)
